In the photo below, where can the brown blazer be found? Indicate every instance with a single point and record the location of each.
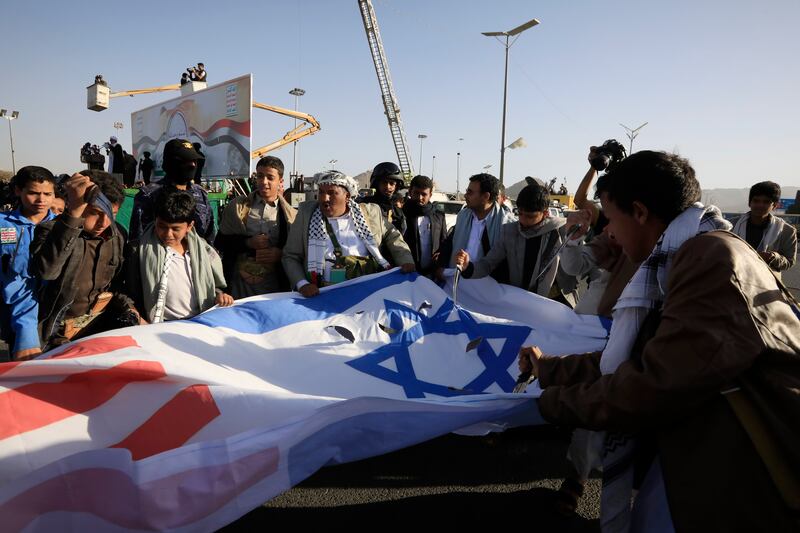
(725, 322)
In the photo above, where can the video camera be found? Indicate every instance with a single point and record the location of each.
(607, 154)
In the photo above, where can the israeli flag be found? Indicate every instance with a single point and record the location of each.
(188, 425)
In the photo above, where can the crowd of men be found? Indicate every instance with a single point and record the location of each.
(692, 405)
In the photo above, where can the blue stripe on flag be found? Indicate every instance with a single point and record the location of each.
(268, 315)
(370, 434)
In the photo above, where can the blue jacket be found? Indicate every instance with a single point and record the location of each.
(19, 287)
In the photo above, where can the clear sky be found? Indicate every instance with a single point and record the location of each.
(717, 80)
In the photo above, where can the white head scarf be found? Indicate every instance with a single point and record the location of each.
(334, 177)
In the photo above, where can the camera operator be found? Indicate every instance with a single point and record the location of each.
(600, 158)
(197, 73)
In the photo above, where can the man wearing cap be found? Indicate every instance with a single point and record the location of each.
(335, 238)
(198, 175)
(179, 164)
(387, 178)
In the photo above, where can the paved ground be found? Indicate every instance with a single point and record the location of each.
(456, 479)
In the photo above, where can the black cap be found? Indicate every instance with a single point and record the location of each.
(180, 149)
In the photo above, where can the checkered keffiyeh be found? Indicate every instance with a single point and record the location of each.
(318, 240)
(334, 177)
(646, 291)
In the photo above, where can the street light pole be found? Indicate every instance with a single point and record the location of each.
(508, 44)
(458, 173)
(433, 168)
(333, 163)
(421, 137)
(503, 134)
(297, 93)
(13, 116)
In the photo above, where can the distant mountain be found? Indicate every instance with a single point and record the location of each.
(735, 200)
(728, 200)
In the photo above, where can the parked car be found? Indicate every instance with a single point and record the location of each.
(450, 208)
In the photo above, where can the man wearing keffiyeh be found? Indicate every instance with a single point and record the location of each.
(696, 389)
(359, 229)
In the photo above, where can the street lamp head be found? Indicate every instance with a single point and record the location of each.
(510, 33)
(15, 114)
(2, 112)
(297, 92)
(519, 29)
(422, 136)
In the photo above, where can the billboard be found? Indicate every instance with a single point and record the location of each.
(219, 118)
(785, 203)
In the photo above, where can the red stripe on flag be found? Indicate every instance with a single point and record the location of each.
(173, 424)
(97, 346)
(84, 349)
(175, 501)
(7, 367)
(37, 405)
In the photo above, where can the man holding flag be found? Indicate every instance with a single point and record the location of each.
(696, 388)
(336, 239)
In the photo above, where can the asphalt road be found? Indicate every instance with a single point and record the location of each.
(508, 478)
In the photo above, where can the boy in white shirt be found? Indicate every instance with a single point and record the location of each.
(172, 273)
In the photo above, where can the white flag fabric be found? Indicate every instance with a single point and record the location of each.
(188, 425)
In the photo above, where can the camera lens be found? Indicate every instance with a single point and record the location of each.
(600, 161)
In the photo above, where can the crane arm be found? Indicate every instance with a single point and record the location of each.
(134, 92)
(292, 135)
(388, 97)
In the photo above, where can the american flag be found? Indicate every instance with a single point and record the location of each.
(188, 425)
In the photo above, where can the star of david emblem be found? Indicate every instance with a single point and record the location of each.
(401, 336)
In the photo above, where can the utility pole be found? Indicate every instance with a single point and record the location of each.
(632, 134)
